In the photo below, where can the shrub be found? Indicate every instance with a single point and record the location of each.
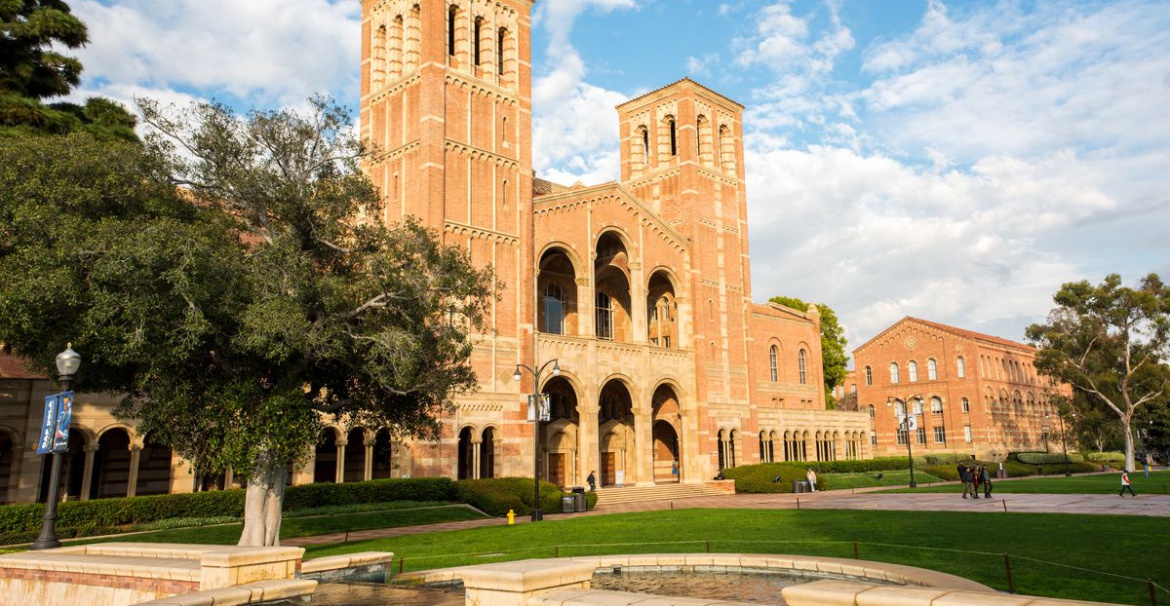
(1047, 458)
(945, 472)
(307, 496)
(1107, 458)
(759, 478)
(495, 496)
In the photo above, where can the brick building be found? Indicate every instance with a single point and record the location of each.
(640, 289)
(971, 393)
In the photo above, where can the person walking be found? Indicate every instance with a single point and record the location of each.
(986, 479)
(965, 478)
(812, 479)
(592, 481)
(1125, 484)
(976, 481)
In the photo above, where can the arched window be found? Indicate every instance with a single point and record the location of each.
(673, 136)
(604, 317)
(501, 37)
(773, 363)
(918, 405)
(452, 18)
(893, 372)
(965, 404)
(475, 40)
(868, 375)
(936, 405)
(913, 367)
(554, 309)
(872, 411)
(800, 360)
(899, 409)
(931, 370)
(961, 367)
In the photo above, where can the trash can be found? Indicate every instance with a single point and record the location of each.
(568, 504)
(580, 502)
(801, 486)
(578, 490)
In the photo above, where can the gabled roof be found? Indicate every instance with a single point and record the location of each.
(960, 332)
(680, 81)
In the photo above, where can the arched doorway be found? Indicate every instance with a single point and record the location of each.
(325, 464)
(154, 469)
(667, 463)
(355, 455)
(487, 453)
(111, 466)
(559, 434)
(383, 455)
(72, 470)
(466, 454)
(616, 432)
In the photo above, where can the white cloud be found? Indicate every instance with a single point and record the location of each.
(575, 130)
(265, 52)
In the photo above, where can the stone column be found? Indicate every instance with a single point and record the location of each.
(584, 308)
(368, 472)
(638, 304)
(587, 437)
(87, 473)
(476, 444)
(643, 445)
(340, 447)
(132, 482)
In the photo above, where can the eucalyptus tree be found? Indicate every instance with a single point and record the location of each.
(1109, 342)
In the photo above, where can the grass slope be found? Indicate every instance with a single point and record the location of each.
(1101, 558)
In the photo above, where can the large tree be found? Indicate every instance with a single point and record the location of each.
(834, 360)
(32, 71)
(1109, 342)
(226, 276)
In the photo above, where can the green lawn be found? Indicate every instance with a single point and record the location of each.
(303, 526)
(1107, 483)
(1069, 556)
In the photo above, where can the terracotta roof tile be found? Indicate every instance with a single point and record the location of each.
(13, 367)
(970, 334)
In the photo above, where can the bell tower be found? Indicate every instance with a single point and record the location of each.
(682, 153)
(446, 100)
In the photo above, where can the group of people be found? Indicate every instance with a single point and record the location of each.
(975, 477)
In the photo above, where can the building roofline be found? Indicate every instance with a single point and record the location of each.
(960, 332)
(675, 83)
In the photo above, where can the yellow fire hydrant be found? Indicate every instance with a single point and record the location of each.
(511, 517)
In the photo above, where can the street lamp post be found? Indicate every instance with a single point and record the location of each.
(906, 423)
(516, 376)
(68, 362)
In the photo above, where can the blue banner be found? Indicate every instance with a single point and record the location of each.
(64, 414)
(48, 425)
(55, 424)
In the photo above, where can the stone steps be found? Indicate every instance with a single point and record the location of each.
(660, 492)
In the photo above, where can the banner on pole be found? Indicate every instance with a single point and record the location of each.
(55, 424)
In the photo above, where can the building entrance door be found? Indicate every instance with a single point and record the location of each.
(556, 468)
(608, 469)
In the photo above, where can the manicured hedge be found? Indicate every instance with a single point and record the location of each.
(308, 496)
(22, 523)
(759, 478)
(1047, 458)
(497, 496)
(1107, 458)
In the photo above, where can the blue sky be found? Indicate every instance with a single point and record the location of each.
(951, 160)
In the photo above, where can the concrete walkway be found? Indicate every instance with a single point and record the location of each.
(1145, 505)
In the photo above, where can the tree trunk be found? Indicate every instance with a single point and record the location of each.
(262, 504)
(1128, 444)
